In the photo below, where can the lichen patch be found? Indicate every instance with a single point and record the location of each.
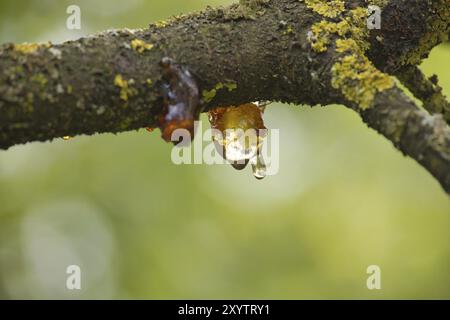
(209, 95)
(140, 45)
(126, 91)
(356, 76)
(329, 9)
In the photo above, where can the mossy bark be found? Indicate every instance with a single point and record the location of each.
(258, 50)
(426, 90)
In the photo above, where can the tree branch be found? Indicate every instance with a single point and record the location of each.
(261, 50)
(429, 92)
(423, 137)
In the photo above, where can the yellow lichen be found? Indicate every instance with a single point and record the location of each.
(321, 33)
(161, 24)
(379, 3)
(289, 30)
(39, 79)
(357, 24)
(352, 26)
(329, 9)
(357, 78)
(140, 45)
(230, 86)
(125, 87)
(27, 48)
(353, 73)
(209, 95)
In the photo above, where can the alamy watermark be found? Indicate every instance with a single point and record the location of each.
(374, 18)
(374, 280)
(73, 21)
(236, 146)
(73, 281)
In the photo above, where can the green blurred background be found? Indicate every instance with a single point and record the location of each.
(142, 227)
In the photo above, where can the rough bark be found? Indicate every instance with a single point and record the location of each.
(259, 50)
(426, 90)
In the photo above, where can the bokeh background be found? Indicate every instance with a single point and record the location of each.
(142, 227)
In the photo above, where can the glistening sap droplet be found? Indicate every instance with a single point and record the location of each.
(239, 135)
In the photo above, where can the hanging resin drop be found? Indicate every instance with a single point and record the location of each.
(239, 135)
(181, 100)
(258, 167)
